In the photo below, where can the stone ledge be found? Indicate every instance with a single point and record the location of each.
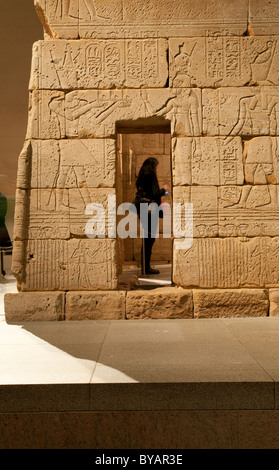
(138, 396)
(158, 303)
(218, 429)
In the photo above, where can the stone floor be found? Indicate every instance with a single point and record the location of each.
(178, 383)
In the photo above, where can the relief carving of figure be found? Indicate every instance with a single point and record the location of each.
(65, 9)
(261, 65)
(184, 108)
(73, 107)
(259, 170)
(255, 111)
(182, 62)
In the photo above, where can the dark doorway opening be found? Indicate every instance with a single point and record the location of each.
(134, 145)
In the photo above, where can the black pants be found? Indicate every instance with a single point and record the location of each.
(149, 240)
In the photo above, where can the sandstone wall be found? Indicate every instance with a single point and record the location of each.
(209, 69)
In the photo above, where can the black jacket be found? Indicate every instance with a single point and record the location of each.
(148, 187)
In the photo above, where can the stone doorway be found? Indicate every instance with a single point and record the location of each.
(134, 145)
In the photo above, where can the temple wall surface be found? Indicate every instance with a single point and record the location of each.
(207, 70)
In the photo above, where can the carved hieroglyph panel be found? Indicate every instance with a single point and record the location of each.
(60, 213)
(264, 16)
(141, 18)
(76, 264)
(230, 211)
(207, 161)
(205, 209)
(224, 61)
(250, 210)
(68, 163)
(68, 65)
(92, 113)
(228, 263)
(242, 111)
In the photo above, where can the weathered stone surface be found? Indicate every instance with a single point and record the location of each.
(62, 213)
(205, 209)
(75, 264)
(34, 306)
(95, 305)
(71, 163)
(263, 16)
(207, 161)
(274, 302)
(84, 64)
(92, 113)
(249, 210)
(228, 263)
(230, 211)
(230, 303)
(137, 18)
(167, 302)
(59, 18)
(243, 111)
(219, 61)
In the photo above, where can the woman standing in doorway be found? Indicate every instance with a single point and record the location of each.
(148, 191)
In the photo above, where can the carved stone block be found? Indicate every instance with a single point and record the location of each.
(205, 208)
(95, 305)
(60, 213)
(34, 306)
(94, 113)
(85, 64)
(69, 163)
(137, 18)
(264, 17)
(60, 18)
(249, 210)
(230, 303)
(207, 161)
(223, 61)
(75, 264)
(243, 111)
(228, 263)
(231, 211)
(159, 303)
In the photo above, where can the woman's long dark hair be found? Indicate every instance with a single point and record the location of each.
(148, 166)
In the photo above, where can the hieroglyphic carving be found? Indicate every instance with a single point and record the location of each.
(205, 208)
(60, 18)
(90, 162)
(60, 213)
(63, 181)
(207, 161)
(228, 262)
(258, 217)
(125, 18)
(67, 65)
(94, 113)
(69, 265)
(242, 111)
(216, 212)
